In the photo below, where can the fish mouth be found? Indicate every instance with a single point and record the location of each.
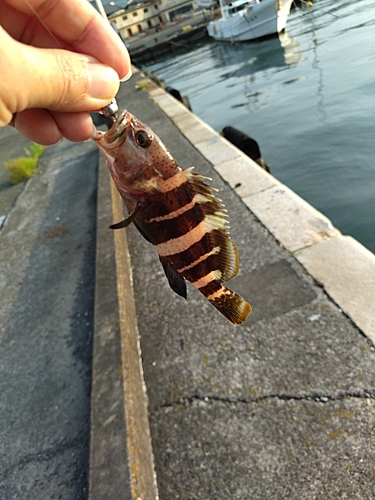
(119, 130)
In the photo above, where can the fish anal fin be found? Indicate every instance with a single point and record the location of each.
(128, 220)
(175, 280)
(232, 261)
(226, 260)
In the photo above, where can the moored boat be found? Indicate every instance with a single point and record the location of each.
(207, 4)
(243, 20)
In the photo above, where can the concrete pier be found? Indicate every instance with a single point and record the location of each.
(184, 404)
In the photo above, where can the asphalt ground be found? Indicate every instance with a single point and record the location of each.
(47, 278)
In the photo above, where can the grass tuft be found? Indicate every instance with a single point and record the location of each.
(22, 168)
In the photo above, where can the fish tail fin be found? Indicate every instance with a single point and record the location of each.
(230, 304)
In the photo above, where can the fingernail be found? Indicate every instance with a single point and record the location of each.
(128, 76)
(104, 81)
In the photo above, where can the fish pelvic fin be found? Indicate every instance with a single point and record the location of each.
(128, 220)
(230, 304)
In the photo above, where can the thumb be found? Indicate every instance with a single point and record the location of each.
(55, 79)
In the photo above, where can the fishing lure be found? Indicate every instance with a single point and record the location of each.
(176, 211)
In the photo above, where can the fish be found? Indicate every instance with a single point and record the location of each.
(175, 210)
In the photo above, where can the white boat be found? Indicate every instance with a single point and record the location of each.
(207, 4)
(243, 20)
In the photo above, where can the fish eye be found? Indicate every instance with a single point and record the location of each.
(142, 139)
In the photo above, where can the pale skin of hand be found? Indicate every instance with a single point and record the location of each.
(59, 60)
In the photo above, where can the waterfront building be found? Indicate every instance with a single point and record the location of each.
(147, 16)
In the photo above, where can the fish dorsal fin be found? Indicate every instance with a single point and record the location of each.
(216, 223)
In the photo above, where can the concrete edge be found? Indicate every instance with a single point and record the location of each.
(121, 457)
(344, 267)
(140, 455)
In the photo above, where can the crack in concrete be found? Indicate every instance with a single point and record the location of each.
(42, 456)
(315, 397)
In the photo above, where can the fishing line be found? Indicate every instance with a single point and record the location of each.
(45, 26)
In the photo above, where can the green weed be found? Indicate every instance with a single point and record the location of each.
(142, 84)
(36, 150)
(22, 168)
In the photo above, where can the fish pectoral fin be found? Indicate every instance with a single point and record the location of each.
(128, 220)
(175, 280)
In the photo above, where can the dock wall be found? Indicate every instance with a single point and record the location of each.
(341, 266)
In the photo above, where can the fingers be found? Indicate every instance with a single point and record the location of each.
(47, 128)
(74, 22)
(54, 79)
(46, 91)
(69, 82)
(37, 125)
(75, 127)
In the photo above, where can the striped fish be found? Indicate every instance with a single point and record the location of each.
(176, 211)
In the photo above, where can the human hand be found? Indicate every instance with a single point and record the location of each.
(59, 60)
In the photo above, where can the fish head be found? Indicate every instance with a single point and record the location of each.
(135, 156)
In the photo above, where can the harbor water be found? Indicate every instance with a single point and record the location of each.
(307, 97)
